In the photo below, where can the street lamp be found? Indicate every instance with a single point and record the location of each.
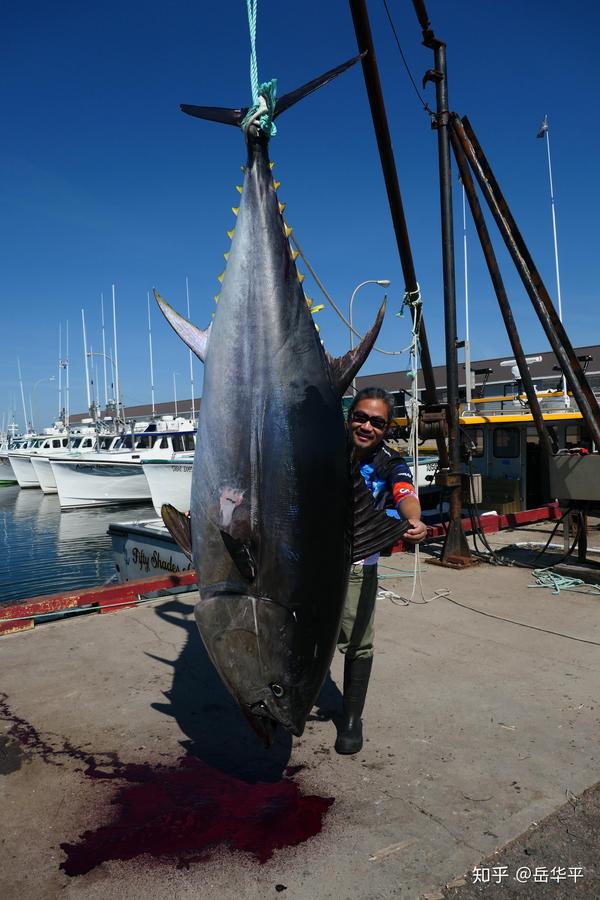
(32, 396)
(382, 282)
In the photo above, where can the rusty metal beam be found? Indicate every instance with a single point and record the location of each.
(541, 301)
(364, 40)
(503, 302)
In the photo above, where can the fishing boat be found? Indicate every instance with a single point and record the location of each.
(20, 455)
(79, 443)
(144, 548)
(117, 476)
(7, 475)
(170, 481)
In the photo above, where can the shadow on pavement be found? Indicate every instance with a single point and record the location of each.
(216, 729)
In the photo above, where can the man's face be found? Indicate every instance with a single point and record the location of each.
(368, 424)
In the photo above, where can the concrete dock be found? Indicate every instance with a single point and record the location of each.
(482, 719)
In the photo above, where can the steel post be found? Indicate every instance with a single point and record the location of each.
(455, 549)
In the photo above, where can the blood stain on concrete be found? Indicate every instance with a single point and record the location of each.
(181, 813)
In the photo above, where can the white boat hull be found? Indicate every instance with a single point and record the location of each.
(170, 481)
(24, 471)
(7, 476)
(44, 473)
(97, 483)
(142, 549)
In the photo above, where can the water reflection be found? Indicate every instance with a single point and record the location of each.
(44, 552)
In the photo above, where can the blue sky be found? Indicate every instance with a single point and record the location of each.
(104, 180)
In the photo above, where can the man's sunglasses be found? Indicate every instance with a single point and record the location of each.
(361, 418)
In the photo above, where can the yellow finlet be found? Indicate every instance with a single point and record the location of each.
(231, 233)
(239, 188)
(316, 309)
(287, 230)
(235, 210)
(309, 302)
(271, 164)
(221, 277)
(295, 254)
(301, 277)
(226, 254)
(276, 184)
(243, 168)
(217, 298)
(281, 207)
(316, 326)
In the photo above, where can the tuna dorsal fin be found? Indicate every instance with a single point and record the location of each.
(372, 529)
(344, 368)
(195, 338)
(242, 556)
(179, 527)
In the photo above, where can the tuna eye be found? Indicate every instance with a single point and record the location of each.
(277, 690)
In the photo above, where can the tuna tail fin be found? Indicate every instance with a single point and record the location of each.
(235, 116)
(195, 338)
(344, 368)
(300, 93)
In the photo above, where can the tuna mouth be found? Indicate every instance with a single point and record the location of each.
(260, 713)
(263, 724)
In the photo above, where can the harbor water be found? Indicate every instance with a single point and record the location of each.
(44, 551)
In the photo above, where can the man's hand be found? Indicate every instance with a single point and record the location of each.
(416, 533)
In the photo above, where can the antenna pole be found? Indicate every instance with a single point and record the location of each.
(22, 394)
(85, 357)
(187, 291)
(104, 354)
(117, 391)
(60, 409)
(67, 379)
(150, 348)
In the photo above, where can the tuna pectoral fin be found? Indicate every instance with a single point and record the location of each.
(195, 338)
(373, 530)
(344, 368)
(242, 556)
(179, 527)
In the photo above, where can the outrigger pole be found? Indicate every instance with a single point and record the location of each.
(455, 551)
(364, 40)
(503, 302)
(538, 294)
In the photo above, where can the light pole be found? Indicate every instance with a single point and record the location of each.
(544, 132)
(32, 397)
(382, 282)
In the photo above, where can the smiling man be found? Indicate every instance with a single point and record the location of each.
(389, 479)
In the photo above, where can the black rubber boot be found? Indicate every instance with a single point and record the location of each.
(356, 681)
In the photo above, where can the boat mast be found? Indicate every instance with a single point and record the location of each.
(117, 392)
(150, 348)
(468, 380)
(85, 357)
(187, 291)
(66, 365)
(22, 395)
(60, 409)
(104, 353)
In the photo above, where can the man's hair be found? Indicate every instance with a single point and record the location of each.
(373, 393)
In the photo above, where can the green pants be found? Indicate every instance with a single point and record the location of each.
(357, 626)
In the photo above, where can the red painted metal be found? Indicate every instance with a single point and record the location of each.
(114, 597)
(493, 522)
(98, 599)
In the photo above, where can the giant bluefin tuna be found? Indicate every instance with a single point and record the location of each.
(278, 511)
